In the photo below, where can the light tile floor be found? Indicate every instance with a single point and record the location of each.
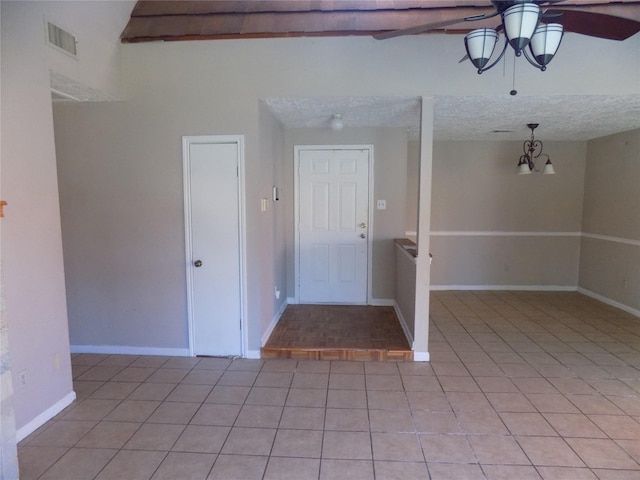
(521, 386)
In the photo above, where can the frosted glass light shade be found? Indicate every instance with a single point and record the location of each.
(523, 169)
(480, 44)
(548, 168)
(520, 22)
(545, 42)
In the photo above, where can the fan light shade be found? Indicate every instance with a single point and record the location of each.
(545, 42)
(480, 44)
(520, 21)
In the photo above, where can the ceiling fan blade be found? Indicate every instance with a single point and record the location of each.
(597, 25)
(430, 26)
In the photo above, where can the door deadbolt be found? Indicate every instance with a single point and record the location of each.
(197, 263)
(362, 235)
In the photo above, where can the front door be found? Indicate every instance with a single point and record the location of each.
(213, 236)
(333, 217)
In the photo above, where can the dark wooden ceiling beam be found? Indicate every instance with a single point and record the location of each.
(191, 20)
(203, 7)
(188, 7)
(286, 24)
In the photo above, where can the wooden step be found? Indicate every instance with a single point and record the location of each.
(338, 332)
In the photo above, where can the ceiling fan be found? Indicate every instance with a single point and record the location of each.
(523, 25)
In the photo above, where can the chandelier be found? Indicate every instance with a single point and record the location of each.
(522, 28)
(532, 151)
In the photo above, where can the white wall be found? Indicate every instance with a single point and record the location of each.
(31, 243)
(274, 221)
(610, 249)
(34, 286)
(492, 228)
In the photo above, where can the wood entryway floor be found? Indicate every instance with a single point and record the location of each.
(338, 332)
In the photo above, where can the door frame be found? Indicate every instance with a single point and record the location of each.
(187, 141)
(296, 195)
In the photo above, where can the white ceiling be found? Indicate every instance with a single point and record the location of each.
(561, 117)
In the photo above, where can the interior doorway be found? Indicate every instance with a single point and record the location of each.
(333, 224)
(214, 233)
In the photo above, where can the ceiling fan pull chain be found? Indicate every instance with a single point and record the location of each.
(504, 67)
(513, 91)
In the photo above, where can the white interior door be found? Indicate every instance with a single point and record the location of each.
(333, 217)
(213, 232)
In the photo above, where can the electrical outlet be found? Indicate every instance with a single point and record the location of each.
(381, 204)
(22, 378)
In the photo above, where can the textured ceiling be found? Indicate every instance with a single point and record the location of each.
(314, 112)
(64, 88)
(561, 117)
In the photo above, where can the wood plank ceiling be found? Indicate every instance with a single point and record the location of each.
(153, 20)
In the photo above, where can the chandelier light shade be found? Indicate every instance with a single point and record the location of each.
(548, 168)
(545, 42)
(480, 45)
(523, 168)
(520, 22)
(532, 151)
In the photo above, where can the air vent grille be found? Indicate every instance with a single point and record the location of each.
(61, 39)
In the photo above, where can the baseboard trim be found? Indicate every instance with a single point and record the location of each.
(608, 301)
(253, 354)
(129, 350)
(381, 302)
(532, 288)
(292, 301)
(403, 323)
(274, 322)
(492, 233)
(421, 356)
(45, 416)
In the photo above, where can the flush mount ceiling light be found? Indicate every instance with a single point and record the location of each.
(532, 151)
(337, 123)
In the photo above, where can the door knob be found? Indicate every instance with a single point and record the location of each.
(197, 263)
(362, 235)
(363, 225)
